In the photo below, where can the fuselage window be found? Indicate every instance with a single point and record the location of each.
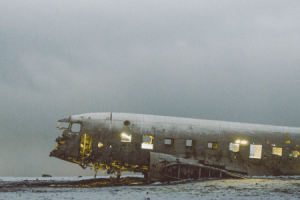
(75, 127)
(147, 142)
(277, 151)
(234, 147)
(255, 151)
(169, 141)
(212, 145)
(190, 143)
(125, 137)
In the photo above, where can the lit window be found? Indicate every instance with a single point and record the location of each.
(255, 151)
(75, 127)
(190, 143)
(125, 137)
(215, 145)
(147, 142)
(212, 145)
(234, 147)
(277, 151)
(168, 141)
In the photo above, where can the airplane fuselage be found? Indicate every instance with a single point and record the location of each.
(126, 142)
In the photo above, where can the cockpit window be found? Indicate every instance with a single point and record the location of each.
(63, 125)
(75, 127)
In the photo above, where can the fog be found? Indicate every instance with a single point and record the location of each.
(223, 60)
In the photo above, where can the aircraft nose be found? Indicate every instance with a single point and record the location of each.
(64, 120)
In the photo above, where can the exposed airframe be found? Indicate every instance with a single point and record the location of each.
(165, 148)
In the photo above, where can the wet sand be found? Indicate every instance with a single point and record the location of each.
(250, 188)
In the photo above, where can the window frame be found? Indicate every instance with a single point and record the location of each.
(71, 126)
(255, 153)
(214, 145)
(193, 144)
(123, 137)
(171, 141)
(275, 151)
(234, 147)
(64, 128)
(149, 144)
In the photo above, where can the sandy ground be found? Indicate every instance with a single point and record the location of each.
(251, 188)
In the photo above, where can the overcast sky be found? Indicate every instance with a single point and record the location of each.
(229, 60)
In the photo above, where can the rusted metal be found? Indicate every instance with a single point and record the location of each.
(114, 142)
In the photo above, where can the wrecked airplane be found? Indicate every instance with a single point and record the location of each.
(172, 148)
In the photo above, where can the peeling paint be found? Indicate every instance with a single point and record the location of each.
(120, 142)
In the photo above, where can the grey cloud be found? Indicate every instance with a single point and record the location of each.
(229, 60)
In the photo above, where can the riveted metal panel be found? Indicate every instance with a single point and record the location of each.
(127, 116)
(154, 118)
(209, 123)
